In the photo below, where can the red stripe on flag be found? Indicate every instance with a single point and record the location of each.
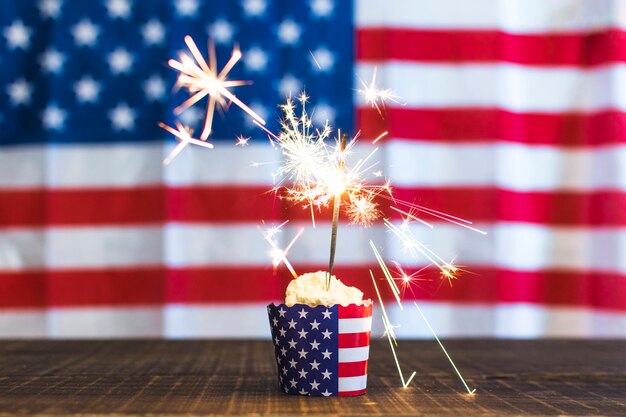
(492, 124)
(348, 369)
(148, 205)
(562, 208)
(480, 204)
(222, 204)
(23, 289)
(354, 311)
(97, 206)
(144, 285)
(215, 285)
(352, 340)
(38, 207)
(553, 49)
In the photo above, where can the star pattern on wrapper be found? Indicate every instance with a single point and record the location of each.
(310, 364)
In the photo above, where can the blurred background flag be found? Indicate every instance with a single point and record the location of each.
(512, 116)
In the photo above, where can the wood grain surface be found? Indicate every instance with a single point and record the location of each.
(156, 377)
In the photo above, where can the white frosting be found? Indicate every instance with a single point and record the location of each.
(310, 289)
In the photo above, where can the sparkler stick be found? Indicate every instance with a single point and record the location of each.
(390, 335)
(336, 206)
(470, 392)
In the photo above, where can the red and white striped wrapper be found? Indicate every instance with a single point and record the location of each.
(322, 351)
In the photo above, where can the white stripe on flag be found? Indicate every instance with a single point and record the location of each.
(123, 165)
(195, 244)
(249, 320)
(105, 322)
(517, 16)
(522, 246)
(200, 321)
(440, 165)
(359, 325)
(517, 320)
(415, 163)
(517, 246)
(506, 86)
(104, 165)
(225, 164)
(352, 383)
(22, 166)
(358, 354)
(21, 249)
(23, 323)
(76, 247)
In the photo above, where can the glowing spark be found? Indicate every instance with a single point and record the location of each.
(241, 141)
(470, 392)
(280, 255)
(318, 173)
(374, 95)
(315, 60)
(392, 284)
(363, 210)
(382, 135)
(377, 173)
(201, 79)
(407, 220)
(391, 336)
(183, 134)
(414, 246)
(438, 214)
(405, 279)
(449, 272)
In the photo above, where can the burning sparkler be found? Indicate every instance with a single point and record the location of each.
(202, 79)
(318, 174)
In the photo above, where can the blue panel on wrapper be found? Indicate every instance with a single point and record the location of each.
(306, 347)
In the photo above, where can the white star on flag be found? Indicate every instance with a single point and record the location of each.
(118, 8)
(87, 90)
(20, 92)
(50, 9)
(85, 33)
(221, 31)
(53, 117)
(254, 8)
(120, 61)
(153, 32)
(122, 117)
(18, 35)
(289, 32)
(52, 61)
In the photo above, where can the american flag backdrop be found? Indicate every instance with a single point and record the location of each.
(512, 115)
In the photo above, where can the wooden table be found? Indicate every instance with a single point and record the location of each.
(141, 377)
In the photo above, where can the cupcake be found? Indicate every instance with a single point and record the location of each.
(321, 338)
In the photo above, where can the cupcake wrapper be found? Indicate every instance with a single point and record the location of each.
(321, 351)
